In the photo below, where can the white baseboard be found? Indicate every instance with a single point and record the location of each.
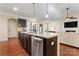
(4, 40)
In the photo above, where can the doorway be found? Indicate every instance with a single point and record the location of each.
(12, 28)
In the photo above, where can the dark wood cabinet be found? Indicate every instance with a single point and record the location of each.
(49, 45)
(52, 46)
(21, 38)
(25, 41)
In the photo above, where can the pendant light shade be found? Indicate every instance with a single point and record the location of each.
(46, 11)
(71, 17)
(67, 18)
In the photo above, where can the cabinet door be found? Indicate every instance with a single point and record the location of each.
(25, 41)
(52, 47)
(22, 39)
(29, 43)
(19, 37)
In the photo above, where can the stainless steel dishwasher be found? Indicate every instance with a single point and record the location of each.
(37, 46)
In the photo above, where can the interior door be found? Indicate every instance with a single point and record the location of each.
(12, 28)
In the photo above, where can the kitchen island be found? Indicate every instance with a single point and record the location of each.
(39, 44)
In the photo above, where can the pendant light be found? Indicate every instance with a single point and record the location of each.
(47, 11)
(71, 17)
(67, 18)
(34, 12)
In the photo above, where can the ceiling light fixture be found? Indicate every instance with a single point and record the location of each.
(67, 18)
(15, 9)
(72, 17)
(46, 15)
(47, 11)
(33, 12)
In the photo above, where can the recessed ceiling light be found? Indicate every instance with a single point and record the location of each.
(15, 9)
(46, 15)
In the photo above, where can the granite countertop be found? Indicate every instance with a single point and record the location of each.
(71, 39)
(45, 35)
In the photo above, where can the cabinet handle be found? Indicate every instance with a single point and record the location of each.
(52, 43)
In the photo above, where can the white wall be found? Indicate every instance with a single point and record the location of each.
(3, 28)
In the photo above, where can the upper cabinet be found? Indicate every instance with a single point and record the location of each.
(21, 22)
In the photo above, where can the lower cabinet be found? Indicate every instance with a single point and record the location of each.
(49, 45)
(25, 41)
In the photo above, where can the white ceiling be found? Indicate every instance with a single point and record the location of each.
(55, 10)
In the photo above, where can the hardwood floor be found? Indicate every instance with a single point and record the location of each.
(66, 50)
(12, 47)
